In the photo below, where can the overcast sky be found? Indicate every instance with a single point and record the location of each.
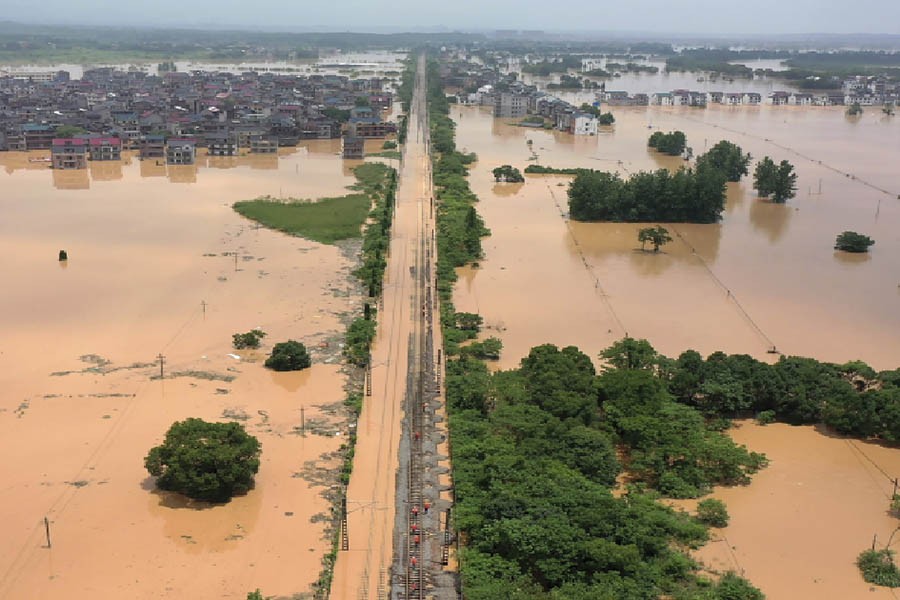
(686, 16)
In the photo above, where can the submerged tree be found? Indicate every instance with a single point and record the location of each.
(251, 339)
(672, 143)
(850, 241)
(658, 236)
(778, 181)
(205, 461)
(288, 356)
(728, 158)
(508, 174)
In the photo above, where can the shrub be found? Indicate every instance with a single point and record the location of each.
(895, 505)
(488, 349)
(712, 512)
(359, 338)
(205, 461)
(251, 339)
(850, 241)
(733, 587)
(389, 145)
(877, 566)
(288, 356)
(765, 417)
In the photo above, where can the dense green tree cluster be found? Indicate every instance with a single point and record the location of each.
(851, 398)
(289, 356)
(534, 460)
(205, 461)
(669, 445)
(688, 195)
(539, 170)
(850, 241)
(69, 131)
(338, 114)
(778, 181)
(508, 174)
(672, 143)
(728, 158)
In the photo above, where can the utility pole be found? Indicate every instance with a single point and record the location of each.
(203, 304)
(302, 422)
(47, 530)
(162, 362)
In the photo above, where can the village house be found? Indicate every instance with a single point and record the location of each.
(353, 147)
(223, 143)
(68, 153)
(584, 124)
(263, 144)
(510, 106)
(181, 151)
(152, 146)
(779, 98)
(105, 148)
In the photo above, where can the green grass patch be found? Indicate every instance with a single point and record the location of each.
(326, 221)
(371, 177)
(386, 154)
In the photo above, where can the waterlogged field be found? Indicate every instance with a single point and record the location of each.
(765, 277)
(160, 264)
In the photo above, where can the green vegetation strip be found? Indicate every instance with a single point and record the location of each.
(536, 450)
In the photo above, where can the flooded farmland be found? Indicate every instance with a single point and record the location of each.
(766, 273)
(159, 264)
(765, 277)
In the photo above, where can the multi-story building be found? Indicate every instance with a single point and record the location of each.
(105, 148)
(152, 146)
(353, 147)
(181, 151)
(510, 106)
(222, 143)
(68, 153)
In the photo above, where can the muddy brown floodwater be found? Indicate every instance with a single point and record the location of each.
(765, 276)
(160, 264)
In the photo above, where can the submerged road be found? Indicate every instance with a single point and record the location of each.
(386, 490)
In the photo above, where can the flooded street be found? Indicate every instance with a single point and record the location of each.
(159, 264)
(765, 276)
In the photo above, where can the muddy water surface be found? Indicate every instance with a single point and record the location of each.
(163, 267)
(765, 276)
(797, 529)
